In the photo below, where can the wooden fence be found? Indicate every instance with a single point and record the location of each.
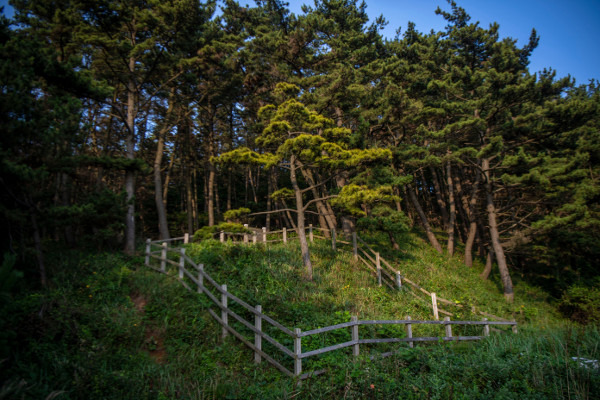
(383, 271)
(188, 271)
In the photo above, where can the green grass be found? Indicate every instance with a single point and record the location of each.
(113, 329)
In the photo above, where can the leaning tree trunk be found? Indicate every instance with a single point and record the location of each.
(428, 231)
(300, 219)
(325, 220)
(488, 265)
(470, 207)
(495, 236)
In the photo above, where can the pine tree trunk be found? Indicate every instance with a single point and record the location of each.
(485, 274)
(189, 202)
(37, 241)
(395, 244)
(451, 221)
(211, 194)
(495, 236)
(325, 219)
(300, 219)
(130, 155)
(161, 210)
(438, 196)
(347, 223)
(269, 199)
(229, 192)
(430, 235)
(472, 220)
(163, 227)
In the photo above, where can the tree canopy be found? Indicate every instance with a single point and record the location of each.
(125, 120)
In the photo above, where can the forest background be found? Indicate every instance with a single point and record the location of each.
(134, 119)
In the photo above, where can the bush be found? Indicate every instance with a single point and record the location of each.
(209, 232)
(581, 303)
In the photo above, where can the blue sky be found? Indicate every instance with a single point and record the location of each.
(568, 29)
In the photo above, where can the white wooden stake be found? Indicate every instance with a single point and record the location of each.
(398, 280)
(448, 327)
(163, 257)
(409, 332)
(148, 248)
(435, 307)
(224, 315)
(186, 238)
(222, 236)
(297, 352)
(258, 337)
(333, 239)
(355, 348)
(486, 329)
(264, 234)
(181, 263)
(284, 235)
(310, 232)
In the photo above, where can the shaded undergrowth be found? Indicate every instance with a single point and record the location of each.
(112, 329)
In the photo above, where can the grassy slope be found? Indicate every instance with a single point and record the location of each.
(114, 329)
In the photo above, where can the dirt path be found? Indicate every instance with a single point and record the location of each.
(153, 337)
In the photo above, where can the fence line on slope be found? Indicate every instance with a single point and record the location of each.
(379, 266)
(200, 276)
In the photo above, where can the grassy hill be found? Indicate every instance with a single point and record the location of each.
(111, 328)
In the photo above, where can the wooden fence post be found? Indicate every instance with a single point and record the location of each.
(222, 236)
(186, 238)
(333, 238)
(148, 248)
(486, 329)
(246, 234)
(354, 246)
(200, 277)
(398, 280)
(310, 232)
(163, 257)
(448, 327)
(284, 235)
(378, 265)
(181, 263)
(257, 336)
(224, 314)
(514, 327)
(355, 348)
(409, 332)
(264, 234)
(435, 307)
(297, 352)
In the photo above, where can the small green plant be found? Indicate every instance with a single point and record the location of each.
(211, 232)
(582, 303)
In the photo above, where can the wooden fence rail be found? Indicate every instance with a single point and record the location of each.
(384, 272)
(198, 276)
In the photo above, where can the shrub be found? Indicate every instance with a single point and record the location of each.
(581, 303)
(209, 232)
